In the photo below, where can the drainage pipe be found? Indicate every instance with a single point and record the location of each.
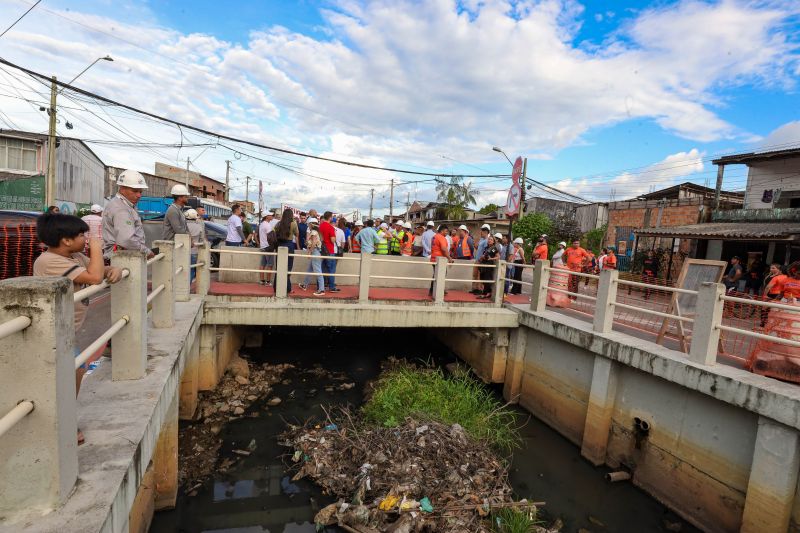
(620, 475)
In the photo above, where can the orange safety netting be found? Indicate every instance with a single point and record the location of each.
(774, 359)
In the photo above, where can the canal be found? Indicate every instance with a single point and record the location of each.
(255, 496)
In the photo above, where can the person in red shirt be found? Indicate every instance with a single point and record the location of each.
(610, 262)
(574, 258)
(541, 251)
(439, 248)
(791, 285)
(773, 288)
(328, 234)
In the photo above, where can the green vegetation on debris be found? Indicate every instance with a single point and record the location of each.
(427, 394)
(513, 520)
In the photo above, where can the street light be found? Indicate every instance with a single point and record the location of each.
(50, 182)
(498, 149)
(106, 58)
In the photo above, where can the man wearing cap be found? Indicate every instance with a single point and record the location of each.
(397, 235)
(407, 244)
(95, 222)
(558, 257)
(383, 237)
(465, 249)
(122, 226)
(196, 230)
(353, 244)
(482, 243)
(439, 247)
(174, 219)
(427, 239)
(366, 238)
(518, 259)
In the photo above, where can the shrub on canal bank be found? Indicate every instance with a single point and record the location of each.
(427, 394)
(513, 520)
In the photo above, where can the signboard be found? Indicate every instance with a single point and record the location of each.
(23, 194)
(515, 192)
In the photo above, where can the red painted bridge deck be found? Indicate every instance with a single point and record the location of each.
(350, 292)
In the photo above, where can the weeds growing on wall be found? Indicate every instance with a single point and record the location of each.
(427, 394)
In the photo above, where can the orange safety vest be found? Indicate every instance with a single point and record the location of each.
(406, 247)
(791, 288)
(356, 247)
(465, 251)
(610, 262)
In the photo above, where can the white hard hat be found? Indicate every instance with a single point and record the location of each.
(487, 227)
(96, 209)
(312, 220)
(562, 243)
(430, 223)
(191, 214)
(359, 223)
(384, 225)
(179, 190)
(131, 179)
(463, 227)
(498, 235)
(407, 225)
(543, 235)
(518, 240)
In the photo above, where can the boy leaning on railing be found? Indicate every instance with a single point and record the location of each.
(65, 238)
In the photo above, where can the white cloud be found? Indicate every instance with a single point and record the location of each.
(785, 136)
(405, 81)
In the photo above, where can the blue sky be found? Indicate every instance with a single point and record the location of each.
(607, 99)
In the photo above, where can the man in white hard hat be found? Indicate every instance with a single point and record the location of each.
(122, 226)
(558, 257)
(174, 219)
(486, 229)
(95, 222)
(466, 246)
(427, 239)
(196, 230)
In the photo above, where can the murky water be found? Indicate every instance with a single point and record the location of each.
(255, 496)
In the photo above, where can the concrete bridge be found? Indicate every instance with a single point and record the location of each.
(715, 443)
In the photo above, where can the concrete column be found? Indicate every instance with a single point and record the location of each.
(164, 273)
(770, 253)
(512, 385)
(165, 460)
(499, 284)
(38, 456)
(439, 274)
(188, 391)
(183, 256)
(598, 415)
(207, 373)
(714, 250)
(129, 298)
(365, 267)
(705, 333)
(606, 297)
(541, 278)
(203, 273)
(141, 514)
(773, 478)
(283, 272)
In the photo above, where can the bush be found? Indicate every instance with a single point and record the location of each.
(593, 239)
(511, 520)
(531, 226)
(427, 394)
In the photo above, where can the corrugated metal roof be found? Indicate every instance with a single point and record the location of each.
(728, 230)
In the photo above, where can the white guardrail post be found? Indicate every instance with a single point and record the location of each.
(129, 298)
(541, 277)
(183, 254)
(164, 273)
(499, 283)
(39, 454)
(440, 275)
(606, 298)
(203, 272)
(705, 331)
(365, 267)
(282, 274)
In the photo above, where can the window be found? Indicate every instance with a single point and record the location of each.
(18, 154)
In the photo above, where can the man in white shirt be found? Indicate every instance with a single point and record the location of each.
(427, 239)
(95, 222)
(235, 235)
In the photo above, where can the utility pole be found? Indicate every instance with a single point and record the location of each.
(50, 183)
(246, 189)
(227, 181)
(408, 204)
(391, 200)
(371, 199)
(187, 173)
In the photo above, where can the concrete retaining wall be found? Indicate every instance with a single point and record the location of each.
(411, 267)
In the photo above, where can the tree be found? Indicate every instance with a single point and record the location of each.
(456, 196)
(593, 239)
(531, 226)
(488, 209)
(566, 229)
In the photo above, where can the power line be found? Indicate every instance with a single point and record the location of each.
(20, 18)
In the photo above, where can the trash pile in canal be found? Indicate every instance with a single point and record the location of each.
(416, 475)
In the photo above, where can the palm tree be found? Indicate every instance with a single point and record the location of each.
(456, 196)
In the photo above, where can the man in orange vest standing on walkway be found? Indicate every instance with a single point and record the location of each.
(574, 258)
(465, 249)
(439, 247)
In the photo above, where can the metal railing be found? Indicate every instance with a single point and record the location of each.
(40, 334)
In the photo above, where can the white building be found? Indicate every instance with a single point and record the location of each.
(773, 178)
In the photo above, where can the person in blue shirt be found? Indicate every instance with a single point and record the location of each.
(367, 238)
(302, 227)
(427, 239)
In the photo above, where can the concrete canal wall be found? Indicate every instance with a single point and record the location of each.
(716, 444)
